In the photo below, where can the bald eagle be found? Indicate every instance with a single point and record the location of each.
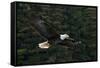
(50, 34)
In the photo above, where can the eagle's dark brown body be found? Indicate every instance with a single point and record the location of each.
(48, 32)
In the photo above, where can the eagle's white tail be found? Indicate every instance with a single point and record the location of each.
(44, 45)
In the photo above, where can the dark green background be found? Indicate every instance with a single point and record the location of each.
(77, 21)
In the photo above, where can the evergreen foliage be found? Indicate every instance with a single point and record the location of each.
(77, 21)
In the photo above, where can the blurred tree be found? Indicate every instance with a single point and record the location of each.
(79, 22)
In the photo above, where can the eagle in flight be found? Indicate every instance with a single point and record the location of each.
(51, 35)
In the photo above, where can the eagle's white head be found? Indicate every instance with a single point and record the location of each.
(64, 36)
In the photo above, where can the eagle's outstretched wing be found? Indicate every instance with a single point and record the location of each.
(44, 28)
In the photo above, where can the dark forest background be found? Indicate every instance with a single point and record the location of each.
(77, 21)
